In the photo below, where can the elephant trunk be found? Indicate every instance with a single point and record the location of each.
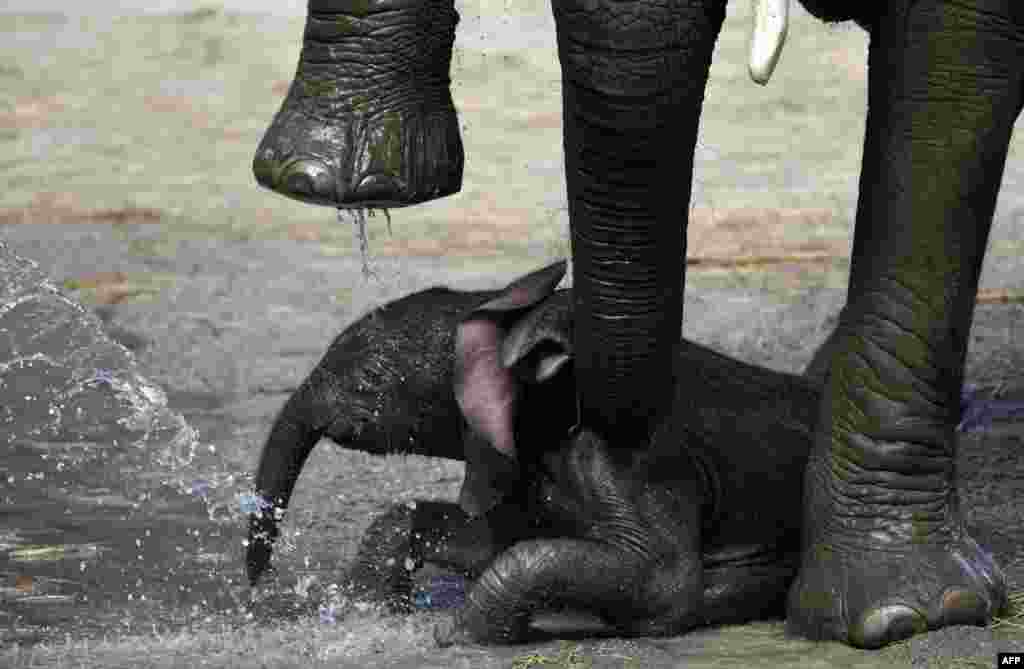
(633, 76)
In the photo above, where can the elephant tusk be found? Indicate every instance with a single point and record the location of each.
(771, 18)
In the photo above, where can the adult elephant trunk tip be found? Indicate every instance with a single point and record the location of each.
(771, 20)
(369, 120)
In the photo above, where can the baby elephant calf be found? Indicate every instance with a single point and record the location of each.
(698, 526)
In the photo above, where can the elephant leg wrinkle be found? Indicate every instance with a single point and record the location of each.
(633, 78)
(368, 121)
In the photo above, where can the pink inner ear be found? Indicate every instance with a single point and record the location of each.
(484, 389)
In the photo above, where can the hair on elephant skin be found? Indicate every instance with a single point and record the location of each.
(654, 541)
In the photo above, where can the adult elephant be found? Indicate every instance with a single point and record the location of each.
(369, 122)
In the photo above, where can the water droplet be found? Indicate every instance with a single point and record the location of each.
(327, 615)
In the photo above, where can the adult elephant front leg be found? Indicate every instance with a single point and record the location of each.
(885, 551)
(369, 119)
(633, 76)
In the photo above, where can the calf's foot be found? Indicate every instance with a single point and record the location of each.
(400, 541)
(368, 120)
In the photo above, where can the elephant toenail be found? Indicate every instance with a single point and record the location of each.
(310, 178)
(963, 607)
(380, 188)
(886, 625)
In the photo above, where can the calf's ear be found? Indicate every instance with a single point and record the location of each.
(525, 291)
(484, 388)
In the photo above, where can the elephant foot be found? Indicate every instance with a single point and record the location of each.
(873, 590)
(382, 570)
(400, 541)
(368, 121)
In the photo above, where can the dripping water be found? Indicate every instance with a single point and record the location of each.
(357, 217)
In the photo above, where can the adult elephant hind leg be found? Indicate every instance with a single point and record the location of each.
(885, 554)
(369, 119)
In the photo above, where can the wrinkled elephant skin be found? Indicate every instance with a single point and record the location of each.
(884, 551)
(376, 130)
(655, 540)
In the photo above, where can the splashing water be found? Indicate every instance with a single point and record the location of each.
(73, 396)
(357, 217)
(63, 381)
(95, 461)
